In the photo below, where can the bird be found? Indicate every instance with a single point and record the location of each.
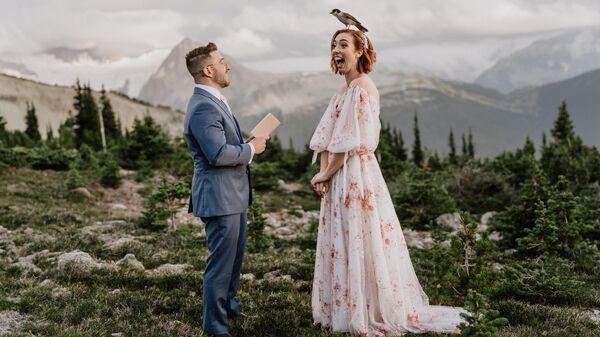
(348, 20)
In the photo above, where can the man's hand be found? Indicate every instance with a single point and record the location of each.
(259, 143)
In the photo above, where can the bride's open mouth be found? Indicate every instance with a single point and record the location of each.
(339, 60)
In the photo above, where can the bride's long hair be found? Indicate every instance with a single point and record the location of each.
(367, 59)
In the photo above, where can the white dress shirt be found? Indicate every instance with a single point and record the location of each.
(215, 92)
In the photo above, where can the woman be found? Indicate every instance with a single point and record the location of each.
(364, 281)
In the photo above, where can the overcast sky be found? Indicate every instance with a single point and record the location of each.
(254, 31)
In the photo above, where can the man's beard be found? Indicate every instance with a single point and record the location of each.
(222, 81)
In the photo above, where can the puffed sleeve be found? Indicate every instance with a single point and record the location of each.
(354, 126)
(322, 136)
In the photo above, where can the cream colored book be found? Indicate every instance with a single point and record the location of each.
(265, 127)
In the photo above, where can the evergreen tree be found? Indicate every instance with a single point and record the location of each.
(66, 132)
(417, 151)
(162, 204)
(452, 145)
(110, 173)
(470, 145)
(482, 321)
(147, 139)
(563, 125)
(529, 148)
(49, 133)
(464, 150)
(111, 127)
(398, 145)
(32, 130)
(5, 136)
(87, 123)
(258, 240)
(544, 140)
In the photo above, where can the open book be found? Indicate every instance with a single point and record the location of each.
(265, 127)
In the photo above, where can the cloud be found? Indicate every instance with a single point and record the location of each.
(245, 43)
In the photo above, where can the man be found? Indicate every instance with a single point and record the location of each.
(221, 187)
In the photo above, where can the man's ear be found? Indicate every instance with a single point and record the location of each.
(207, 72)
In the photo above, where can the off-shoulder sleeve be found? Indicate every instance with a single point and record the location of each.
(322, 135)
(353, 127)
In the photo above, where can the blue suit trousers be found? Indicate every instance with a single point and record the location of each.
(226, 237)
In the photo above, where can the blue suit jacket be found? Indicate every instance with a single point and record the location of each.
(221, 183)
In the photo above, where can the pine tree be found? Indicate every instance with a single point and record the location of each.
(111, 127)
(258, 240)
(5, 136)
(49, 133)
(87, 123)
(563, 126)
(452, 145)
(417, 151)
(66, 132)
(470, 145)
(529, 148)
(398, 145)
(482, 321)
(544, 140)
(32, 131)
(465, 151)
(110, 174)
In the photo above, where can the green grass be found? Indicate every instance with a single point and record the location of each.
(138, 304)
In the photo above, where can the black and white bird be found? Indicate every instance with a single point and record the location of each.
(348, 20)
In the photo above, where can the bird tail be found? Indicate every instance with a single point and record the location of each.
(361, 28)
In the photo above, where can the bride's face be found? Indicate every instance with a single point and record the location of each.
(344, 53)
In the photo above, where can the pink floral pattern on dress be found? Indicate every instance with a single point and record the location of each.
(364, 281)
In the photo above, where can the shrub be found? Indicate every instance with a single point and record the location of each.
(482, 320)
(421, 197)
(163, 203)
(110, 173)
(258, 241)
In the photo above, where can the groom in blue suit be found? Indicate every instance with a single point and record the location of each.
(221, 187)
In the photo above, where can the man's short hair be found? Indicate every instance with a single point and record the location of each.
(195, 58)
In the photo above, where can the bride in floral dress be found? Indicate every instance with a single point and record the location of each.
(364, 281)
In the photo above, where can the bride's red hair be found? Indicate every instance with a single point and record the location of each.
(368, 57)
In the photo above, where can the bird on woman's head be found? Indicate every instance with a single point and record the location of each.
(348, 20)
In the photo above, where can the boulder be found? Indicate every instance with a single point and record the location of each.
(77, 261)
(130, 262)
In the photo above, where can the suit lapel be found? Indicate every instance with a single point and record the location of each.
(224, 109)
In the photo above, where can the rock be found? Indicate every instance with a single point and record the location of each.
(594, 315)
(115, 223)
(46, 283)
(12, 322)
(59, 292)
(451, 220)
(486, 217)
(4, 231)
(130, 262)
(81, 193)
(27, 267)
(159, 257)
(248, 277)
(15, 299)
(417, 239)
(276, 275)
(289, 187)
(116, 334)
(170, 269)
(271, 275)
(120, 243)
(119, 207)
(199, 235)
(77, 261)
